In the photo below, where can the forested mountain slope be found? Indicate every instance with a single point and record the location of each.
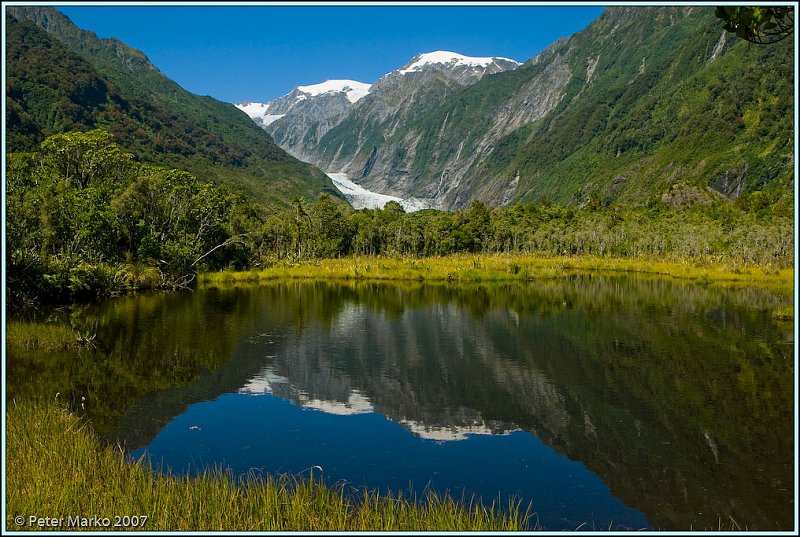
(685, 113)
(61, 78)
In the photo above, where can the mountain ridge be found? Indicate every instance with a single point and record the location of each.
(148, 113)
(432, 74)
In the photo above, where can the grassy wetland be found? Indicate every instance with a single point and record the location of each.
(471, 268)
(57, 466)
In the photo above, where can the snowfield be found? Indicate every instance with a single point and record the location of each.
(258, 112)
(449, 58)
(352, 89)
(361, 198)
(253, 110)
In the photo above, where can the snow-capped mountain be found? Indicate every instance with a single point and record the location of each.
(451, 66)
(318, 101)
(337, 124)
(352, 89)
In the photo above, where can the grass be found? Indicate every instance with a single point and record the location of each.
(57, 467)
(41, 336)
(504, 267)
(783, 313)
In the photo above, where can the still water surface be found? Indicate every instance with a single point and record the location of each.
(614, 402)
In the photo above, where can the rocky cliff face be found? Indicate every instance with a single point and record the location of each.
(430, 157)
(366, 144)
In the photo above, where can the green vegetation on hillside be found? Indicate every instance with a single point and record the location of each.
(87, 220)
(682, 110)
(68, 79)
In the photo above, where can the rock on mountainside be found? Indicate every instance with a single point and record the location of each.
(62, 78)
(304, 115)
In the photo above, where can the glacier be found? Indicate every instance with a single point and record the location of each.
(361, 198)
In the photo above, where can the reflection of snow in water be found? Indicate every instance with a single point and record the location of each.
(357, 403)
(453, 432)
(264, 382)
(361, 198)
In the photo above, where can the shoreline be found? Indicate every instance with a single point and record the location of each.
(476, 268)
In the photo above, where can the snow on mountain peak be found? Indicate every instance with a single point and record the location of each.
(448, 58)
(258, 112)
(253, 109)
(352, 89)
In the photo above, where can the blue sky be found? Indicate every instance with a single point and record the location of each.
(258, 53)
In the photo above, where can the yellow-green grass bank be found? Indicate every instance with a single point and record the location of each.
(59, 469)
(505, 267)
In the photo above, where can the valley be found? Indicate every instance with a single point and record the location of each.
(423, 290)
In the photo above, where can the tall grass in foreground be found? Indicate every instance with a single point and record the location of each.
(57, 467)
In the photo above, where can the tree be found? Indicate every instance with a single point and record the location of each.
(329, 228)
(82, 157)
(761, 25)
(477, 225)
(300, 230)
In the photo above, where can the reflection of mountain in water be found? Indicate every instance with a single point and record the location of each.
(267, 381)
(677, 407)
(377, 362)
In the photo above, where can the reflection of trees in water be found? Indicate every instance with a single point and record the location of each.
(144, 343)
(676, 395)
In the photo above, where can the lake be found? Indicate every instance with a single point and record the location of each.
(603, 402)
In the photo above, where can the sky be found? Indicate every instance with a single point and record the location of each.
(260, 52)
